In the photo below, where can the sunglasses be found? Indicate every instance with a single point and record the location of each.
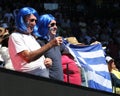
(52, 24)
(32, 20)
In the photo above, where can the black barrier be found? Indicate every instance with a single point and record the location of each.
(14, 83)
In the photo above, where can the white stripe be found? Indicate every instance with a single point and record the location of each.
(99, 67)
(93, 54)
(99, 79)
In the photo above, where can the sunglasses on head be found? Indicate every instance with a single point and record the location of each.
(52, 24)
(32, 20)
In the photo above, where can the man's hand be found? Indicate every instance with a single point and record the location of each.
(56, 41)
(48, 62)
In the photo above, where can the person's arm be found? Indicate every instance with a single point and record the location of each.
(115, 80)
(33, 55)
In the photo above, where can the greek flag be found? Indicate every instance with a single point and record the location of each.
(92, 59)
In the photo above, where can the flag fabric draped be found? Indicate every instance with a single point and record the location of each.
(92, 59)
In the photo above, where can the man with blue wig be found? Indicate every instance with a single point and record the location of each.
(47, 29)
(25, 52)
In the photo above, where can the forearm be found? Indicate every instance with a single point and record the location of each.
(29, 56)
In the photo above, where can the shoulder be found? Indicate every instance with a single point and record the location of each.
(42, 41)
(15, 34)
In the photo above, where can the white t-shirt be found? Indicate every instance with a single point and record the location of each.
(6, 58)
(1, 59)
(19, 42)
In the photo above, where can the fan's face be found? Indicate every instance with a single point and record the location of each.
(52, 27)
(30, 22)
(3, 33)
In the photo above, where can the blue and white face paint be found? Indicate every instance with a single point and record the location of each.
(43, 26)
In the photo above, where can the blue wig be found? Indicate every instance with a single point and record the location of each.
(43, 28)
(20, 23)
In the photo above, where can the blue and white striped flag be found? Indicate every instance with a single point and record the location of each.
(92, 59)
